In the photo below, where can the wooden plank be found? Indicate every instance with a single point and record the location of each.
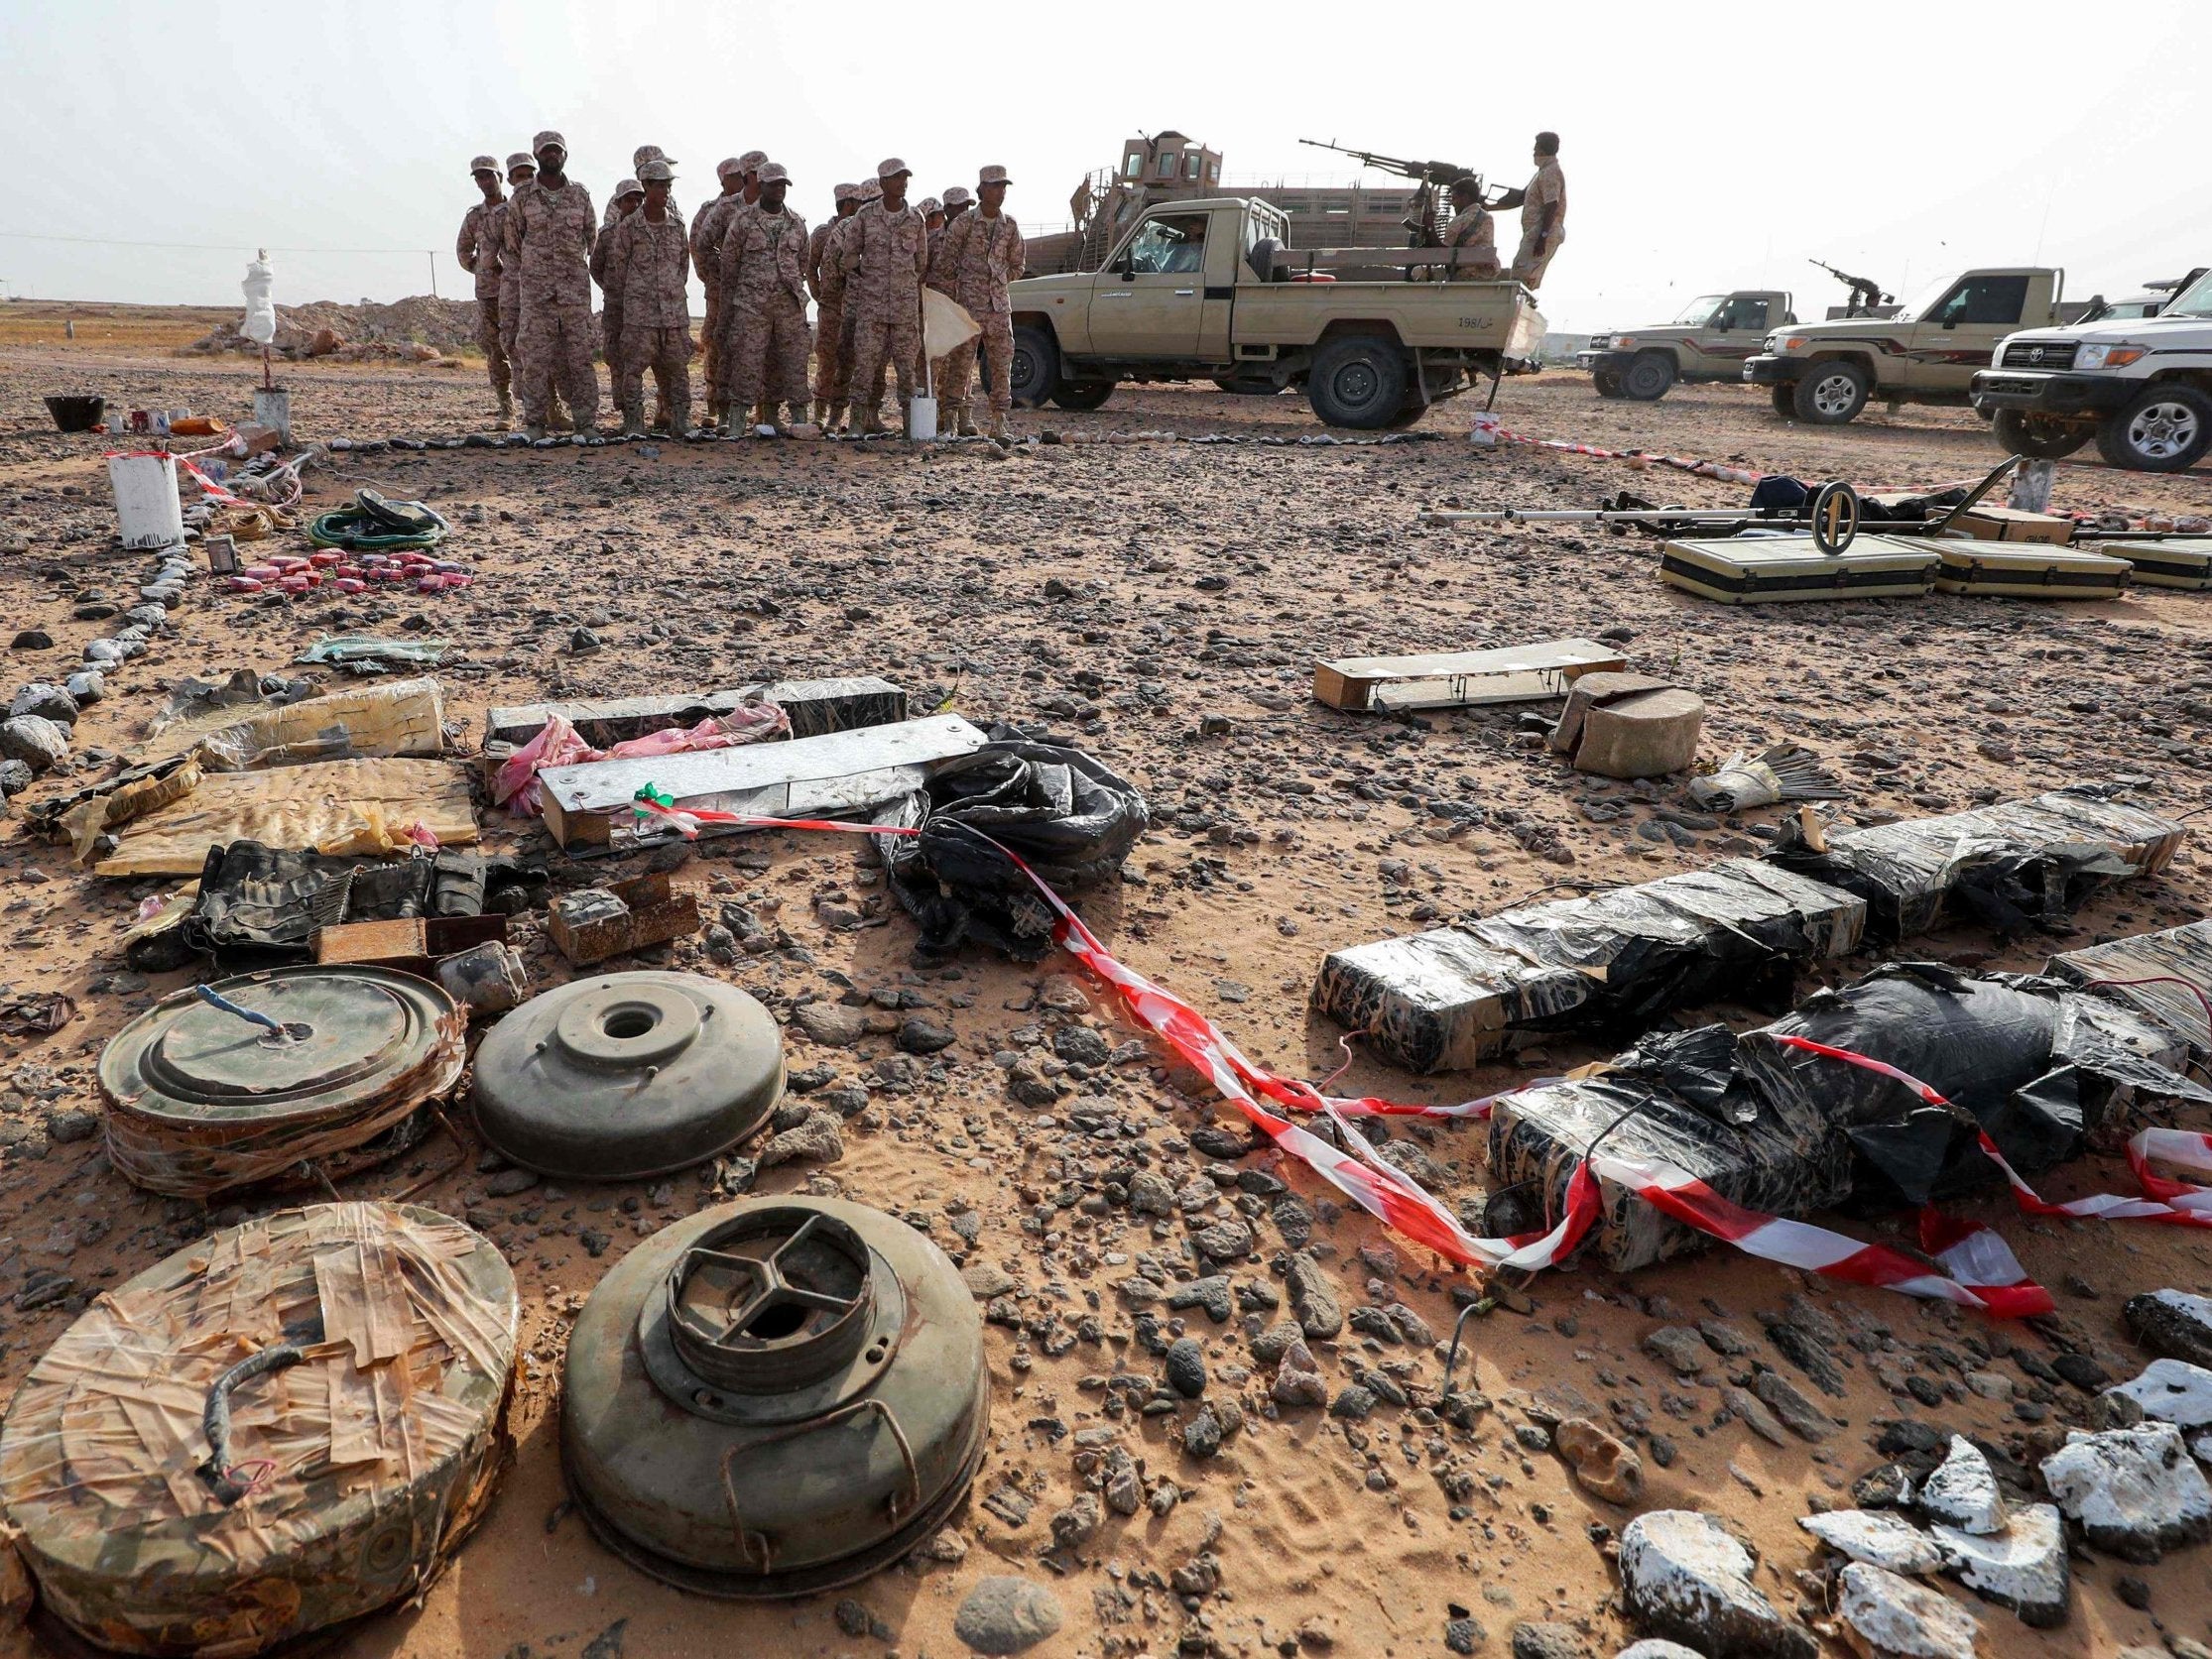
(1460, 679)
(816, 706)
(837, 773)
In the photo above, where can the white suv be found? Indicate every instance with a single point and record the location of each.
(2141, 387)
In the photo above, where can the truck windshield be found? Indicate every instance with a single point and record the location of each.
(1700, 310)
(2195, 300)
(1927, 298)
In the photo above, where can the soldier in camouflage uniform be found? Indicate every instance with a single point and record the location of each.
(957, 200)
(549, 240)
(827, 283)
(933, 220)
(521, 170)
(1544, 213)
(983, 252)
(886, 250)
(763, 298)
(1470, 241)
(643, 153)
(849, 316)
(706, 236)
(649, 265)
(627, 195)
(476, 251)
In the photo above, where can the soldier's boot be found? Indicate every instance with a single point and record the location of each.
(998, 428)
(963, 424)
(867, 420)
(533, 433)
(633, 419)
(837, 407)
(817, 411)
(506, 409)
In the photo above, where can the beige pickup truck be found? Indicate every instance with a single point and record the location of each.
(1210, 291)
(1825, 373)
(1710, 340)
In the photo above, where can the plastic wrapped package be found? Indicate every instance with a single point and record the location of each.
(2166, 977)
(357, 1362)
(1068, 816)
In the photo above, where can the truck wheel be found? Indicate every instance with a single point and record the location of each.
(2039, 436)
(1037, 366)
(1607, 381)
(2164, 428)
(1082, 394)
(1358, 382)
(1646, 378)
(1832, 393)
(1783, 395)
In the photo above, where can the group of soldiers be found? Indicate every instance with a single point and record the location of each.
(1472, 235)
(535, 253)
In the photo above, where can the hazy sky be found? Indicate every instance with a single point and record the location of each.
(1705, 147)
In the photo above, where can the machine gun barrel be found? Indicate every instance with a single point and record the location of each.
(1862, 285)
(1429, 173)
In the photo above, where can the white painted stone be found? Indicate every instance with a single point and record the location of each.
(2023, 1568)
(2173, 1391)
(1877, 1537)
(1962, 1492)
(1892, 1617)
(1684, 1577)
(2137, 1492)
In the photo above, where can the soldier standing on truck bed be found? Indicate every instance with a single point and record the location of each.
(1544, 213)
(1470, 241)
(477, 253)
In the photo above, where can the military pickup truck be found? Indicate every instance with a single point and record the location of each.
(1211, 291)
(1825, 371)
(2142, 387)
(1710, 340)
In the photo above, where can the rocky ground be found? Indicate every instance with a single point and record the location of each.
(1215, 1415)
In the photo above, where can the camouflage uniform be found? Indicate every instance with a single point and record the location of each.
(825, 324)
(1547, 191)
(548, 242)
(980, 257)
(706, 243)
(884, 256)
(833, 328)
(476, 251)
(1471, 247)
(764, 297)
(610, 299)
(643, 153)
(647, 266)
(510, 274)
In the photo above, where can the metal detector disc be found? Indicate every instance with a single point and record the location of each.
(627, 1074)
(775, 1397)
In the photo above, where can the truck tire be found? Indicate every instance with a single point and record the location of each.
(1359, 381)
(2038, 437)
(1037, 365)
(1082, 394)
(2164, 427)
(1648, 377)
(1607, 381)
(1833, 392)
(1783, 395)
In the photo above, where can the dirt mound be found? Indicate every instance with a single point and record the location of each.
(418, 328)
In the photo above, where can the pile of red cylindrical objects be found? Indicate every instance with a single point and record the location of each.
(287, 573)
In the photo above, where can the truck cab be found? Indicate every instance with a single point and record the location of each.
(1709, 340)
(1210, 290)
(1825, 373)
(2142, 387)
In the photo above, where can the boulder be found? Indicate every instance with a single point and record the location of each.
(1877, 1538)
(2135, 1492)
(2172, 1323)
(34, 739)
(1962, 1492)
(1685, 1577)
(1890, 1617)
(2023, 1568)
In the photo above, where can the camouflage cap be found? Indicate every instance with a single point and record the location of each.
(751, 161)
(655, 172)
(775, 173)
(628, 188)
(891, 166)
(484, 164)
(729, 166)
(548, 139)
(992, 175)
(929, 205)
(521, 162)
(845, 193)
(870, 191)
(645, 152)
(958, 196)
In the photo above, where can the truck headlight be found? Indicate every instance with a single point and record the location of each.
(1624, 343)
(1786, 342)
(2108, 357)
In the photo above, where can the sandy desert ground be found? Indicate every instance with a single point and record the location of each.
(699, 567)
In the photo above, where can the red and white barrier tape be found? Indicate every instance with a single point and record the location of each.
(1703, 469)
